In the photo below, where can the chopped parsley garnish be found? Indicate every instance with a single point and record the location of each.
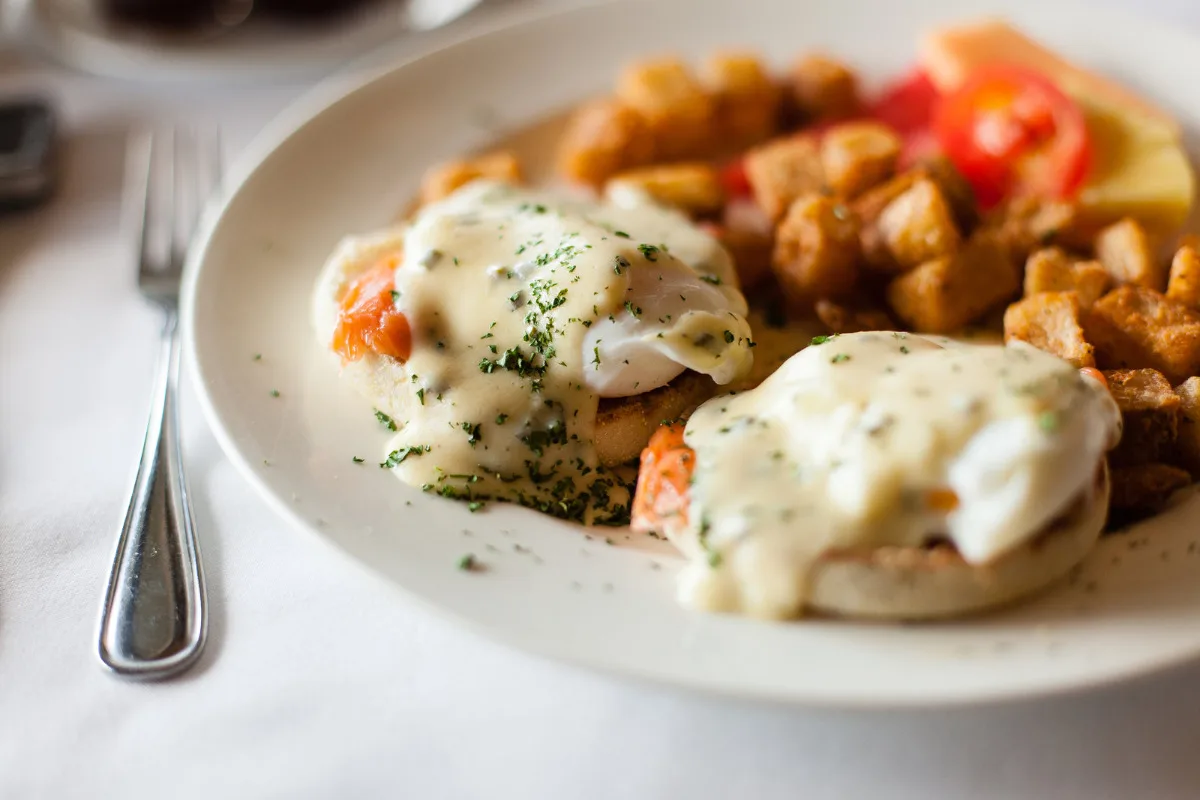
(421, 395)
(385, 420)
(621, 263)
(1048, 421)
(397, 457)
(274, 393)
(513, 360)
(622, 234)
(473, 435)
(904, 349)
(635, 311)
(357, 460)
(395, 296)
(501, 419)
(467, 562)
(839, 358)
(648, 251)
(823, 339)
(713, 279)
(729, 337)
(596, 356)
(258, 356)
(714, 559)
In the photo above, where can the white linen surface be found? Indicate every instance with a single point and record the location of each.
(319, 681)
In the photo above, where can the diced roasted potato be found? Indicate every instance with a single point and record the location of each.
(1143, 490)
(747, 100)
(1051, 269)
(847, 318)
(1183, 285)
(1187, 442)
(602, 138)
(674, 104)
(869, 207)
(442, 179)
(1132, 326)
(816, 250)
(1050, 321)
(694, 188)
(955, 188)
(1026, 224)
(1150, 412)
(943, 295)
(783, 170)
(822, 88)
(1125, 251)
(858, 155)
(918, 226)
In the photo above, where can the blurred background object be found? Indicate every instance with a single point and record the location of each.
(215, 41)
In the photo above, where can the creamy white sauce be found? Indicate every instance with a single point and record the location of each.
(859, 440)
(526, 308)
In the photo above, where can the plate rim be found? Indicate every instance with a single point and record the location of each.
(369, 69)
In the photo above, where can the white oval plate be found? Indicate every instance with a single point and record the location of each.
(347, 159)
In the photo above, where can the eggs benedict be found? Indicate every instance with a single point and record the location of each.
(885, 475)
(524, 344)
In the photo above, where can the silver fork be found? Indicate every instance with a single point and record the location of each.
(154, 622)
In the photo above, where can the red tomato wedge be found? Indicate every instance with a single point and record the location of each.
(907, 105)
(1012, 132)
(369, 321)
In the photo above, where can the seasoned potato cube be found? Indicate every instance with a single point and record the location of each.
(746, 99)
(1183, 286)
(1187, 442)
(674, 104)
(1052, 270)
(857, 156)
(918, 226)
(602, 138)
(869, 207)
(781, 171)
(943, 295)
(845, 318)
(955, 188)
(822, 88)
(1124, 250)
(1026, 224)
(442, 179)
(1132, 326)
(1143, 490)
(692, 188)
(1050, 321)
(1150, 412)
(816, 250)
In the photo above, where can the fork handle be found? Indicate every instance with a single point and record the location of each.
(154, 622)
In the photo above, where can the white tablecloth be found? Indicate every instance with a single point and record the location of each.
(318, 680)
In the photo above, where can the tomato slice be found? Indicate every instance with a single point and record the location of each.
(368, 321)
(1012, 132)
(907, 105)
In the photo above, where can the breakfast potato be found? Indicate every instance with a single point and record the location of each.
(869, 207)
(1024, 225)
(845, 318)
(1187, 442)
(693, 188)
(858, 155)
(1125, 251)
(784, 170)
(816, 250)
(1050, 321)
(955, 188)
(677, 109)
(746, 100)
(1150, 412)
(917, 226)
(943, 295)
(1051, 269)
(1143, 490)
(602, 138)
(822, 88)
(1132, 326)
(442, 179)
(750, 251)
(1183, 284)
